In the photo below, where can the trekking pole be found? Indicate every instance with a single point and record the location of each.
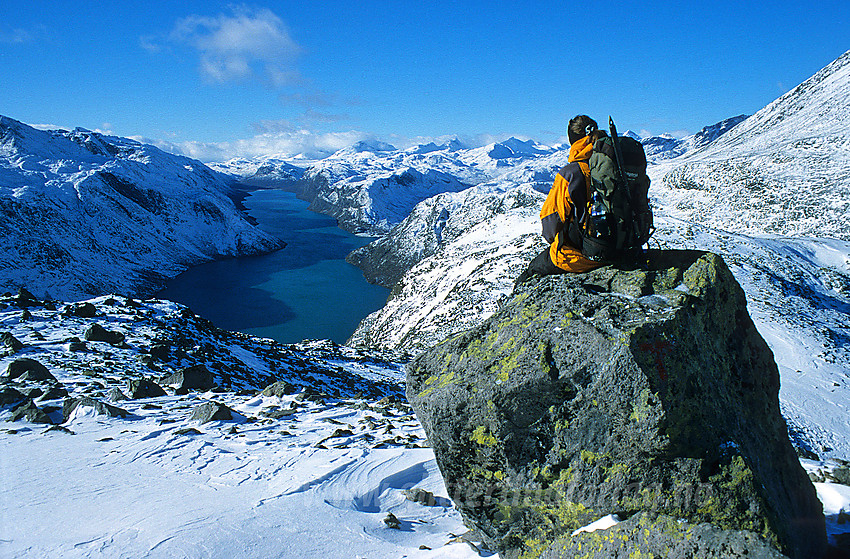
(619, 154)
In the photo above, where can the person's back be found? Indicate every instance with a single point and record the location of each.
(597, 211)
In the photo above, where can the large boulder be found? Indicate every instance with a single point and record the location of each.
(144, 388)
(646, 393)
(196, 377)
(98, 408)
(211, 411)
(28, 369)
(9, 344)
(97, 333)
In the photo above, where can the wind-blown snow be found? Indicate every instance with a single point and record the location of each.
(310, 474)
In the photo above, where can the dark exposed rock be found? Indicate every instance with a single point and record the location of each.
(196, 377)
(54, 393)
(617, 391)
(187, 431)
(115, 395)
(33, 392)
(9, 344)
(32, 413)
(26, 299)
(97, 333)
(100, 408)
(841, 474)
(28, 369)
(9, 396)
(81, 310)
(278, 413)
(76, 344)
(160, 351)
(279, 388)
(211, 411)
(425, 498)
(392, 521)
(144, 388)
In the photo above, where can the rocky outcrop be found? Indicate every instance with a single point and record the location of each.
(196, 377)
(141, 388)
(70, 405)
(648, 393)
(28, 369)
(211, 411)
(97, 333)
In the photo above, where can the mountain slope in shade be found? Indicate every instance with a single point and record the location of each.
(660, 148)
(85, 214)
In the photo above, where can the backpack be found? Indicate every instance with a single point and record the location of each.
(619, 218)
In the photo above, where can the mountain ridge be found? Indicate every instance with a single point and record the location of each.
(87, 214)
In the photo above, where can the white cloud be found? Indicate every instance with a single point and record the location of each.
(245, 43)
(21, 36)
(276, 139)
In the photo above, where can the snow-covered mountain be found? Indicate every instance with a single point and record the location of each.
(87, 214)
(660, 148)
(785, 170)
(263, 172)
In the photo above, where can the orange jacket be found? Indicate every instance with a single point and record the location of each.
(569, 194)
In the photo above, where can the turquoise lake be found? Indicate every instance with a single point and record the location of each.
(304, 291)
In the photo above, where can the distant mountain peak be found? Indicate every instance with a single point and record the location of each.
(373, 146)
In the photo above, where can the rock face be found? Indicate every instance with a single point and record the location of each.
(618, 391)
(196, 377)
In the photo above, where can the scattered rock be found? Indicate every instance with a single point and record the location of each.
(144, 388)
(81, 310)
(392, 522)
(580, 399)
(211, 411)
(32, 413)
(26, 299)
(100, 408)
(115, 395)
(279, 388)
(187, 431)
(28, 369)
(54, 393)
(97, 333)
(196, 377)
(9, 396)
(9, 344)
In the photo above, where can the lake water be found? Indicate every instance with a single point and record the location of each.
(305, 290)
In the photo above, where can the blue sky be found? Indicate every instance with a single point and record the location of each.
(216, 79)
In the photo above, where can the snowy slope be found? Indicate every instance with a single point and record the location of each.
(312, 471)
(784, 170)
(87, 214)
